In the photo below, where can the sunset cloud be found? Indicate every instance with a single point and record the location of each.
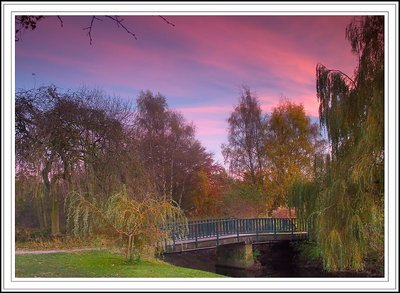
(199, 64)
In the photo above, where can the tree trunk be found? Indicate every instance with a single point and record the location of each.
(44, 213)
(182, 191)
(164, 181)
(171, 176)
(41, 213)
(128, 255)
(55, 215)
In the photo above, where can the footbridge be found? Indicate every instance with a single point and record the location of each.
(211, 233)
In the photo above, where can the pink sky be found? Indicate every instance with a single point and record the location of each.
(199, 64)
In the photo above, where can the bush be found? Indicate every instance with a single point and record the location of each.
(308, 251)
(31, 234)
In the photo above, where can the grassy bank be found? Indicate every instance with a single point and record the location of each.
(99, 264)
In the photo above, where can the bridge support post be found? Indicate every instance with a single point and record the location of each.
(235, 255)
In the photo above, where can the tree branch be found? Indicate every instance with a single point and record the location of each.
(119, 23)
(90, 28)
(29, 22)
(344, 74)
(319, 212)
(166, 20)
(96, 210)
(61, 21)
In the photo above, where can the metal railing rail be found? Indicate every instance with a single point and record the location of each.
(217, 228)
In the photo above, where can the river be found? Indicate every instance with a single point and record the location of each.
(278, 261)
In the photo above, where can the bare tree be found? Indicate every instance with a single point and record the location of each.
(245, 149)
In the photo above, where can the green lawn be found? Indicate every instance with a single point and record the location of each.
(100, 264)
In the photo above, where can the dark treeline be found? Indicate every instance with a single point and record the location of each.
(87, 142)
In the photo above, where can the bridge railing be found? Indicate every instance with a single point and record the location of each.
(201, 229)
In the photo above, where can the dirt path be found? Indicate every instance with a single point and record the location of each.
(21, 251)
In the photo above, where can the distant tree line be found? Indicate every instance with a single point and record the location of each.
(87, 142)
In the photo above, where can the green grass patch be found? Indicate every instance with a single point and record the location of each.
(99, 264)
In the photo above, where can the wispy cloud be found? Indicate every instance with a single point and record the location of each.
(205, 109)
(199, 64)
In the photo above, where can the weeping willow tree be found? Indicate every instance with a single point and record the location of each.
(141, 222)
(346, 198)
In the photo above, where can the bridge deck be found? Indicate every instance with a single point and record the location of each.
(210, 242)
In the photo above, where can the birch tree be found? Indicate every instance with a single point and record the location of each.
(244, 151)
